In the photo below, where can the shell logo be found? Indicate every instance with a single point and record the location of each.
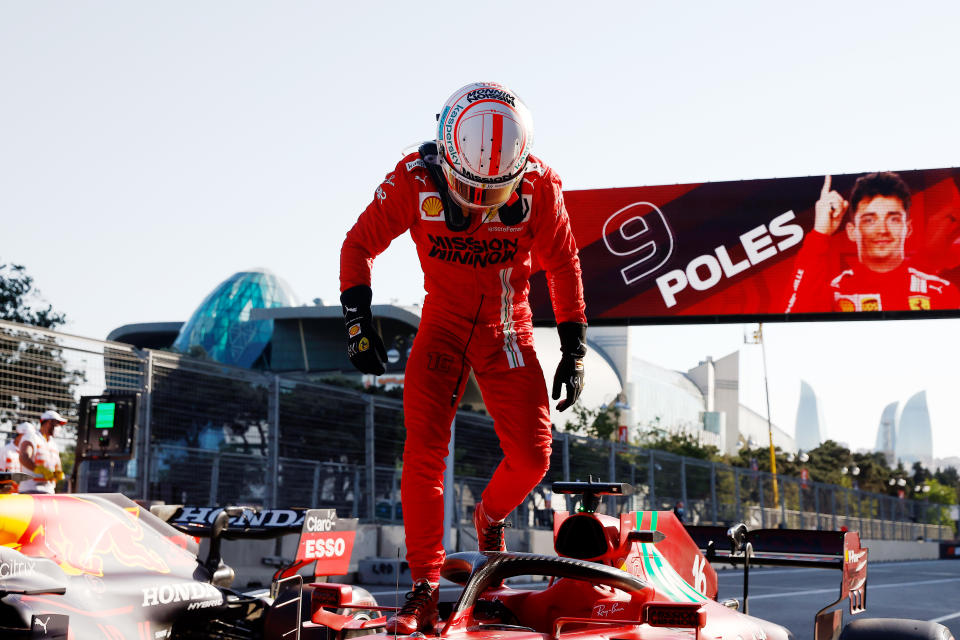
(432, 207)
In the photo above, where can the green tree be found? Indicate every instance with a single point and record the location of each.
(19, 297)
(683, 444)
(939, 497)
(600, 423)
(949, 478)
(38, 375)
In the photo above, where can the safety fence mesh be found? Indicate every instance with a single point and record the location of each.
(211, 434)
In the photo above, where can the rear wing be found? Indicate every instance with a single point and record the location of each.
(326, 541)
(794, 548)
(242, 522)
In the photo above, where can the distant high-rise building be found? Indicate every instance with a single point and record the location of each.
(887, 433)
(809, 418)
(914, 434)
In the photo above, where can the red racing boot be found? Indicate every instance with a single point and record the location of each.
(489, 532)
(419, 613)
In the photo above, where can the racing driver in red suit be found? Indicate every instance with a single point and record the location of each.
(882, 278)
(476, 204)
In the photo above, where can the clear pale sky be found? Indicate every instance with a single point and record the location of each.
(150, 150)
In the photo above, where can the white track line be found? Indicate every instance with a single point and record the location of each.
(870, 587)
(946, 617)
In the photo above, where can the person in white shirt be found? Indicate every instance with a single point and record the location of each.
(10, 454)
(39, 454)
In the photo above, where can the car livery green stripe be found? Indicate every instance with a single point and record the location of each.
(661, 572)
(647, 550)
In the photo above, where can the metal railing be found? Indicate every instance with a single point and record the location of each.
(213, 434)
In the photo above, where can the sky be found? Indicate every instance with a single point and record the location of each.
(150, 150)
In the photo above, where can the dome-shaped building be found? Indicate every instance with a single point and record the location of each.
(221, 327)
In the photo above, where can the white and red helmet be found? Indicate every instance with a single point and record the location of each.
(484, 135)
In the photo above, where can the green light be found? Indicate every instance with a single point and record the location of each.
(105, 413)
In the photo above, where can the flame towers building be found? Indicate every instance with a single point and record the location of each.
(887, 433)
(809, 418)
(914, 442)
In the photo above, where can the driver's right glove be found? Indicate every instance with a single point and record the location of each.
(364, 345)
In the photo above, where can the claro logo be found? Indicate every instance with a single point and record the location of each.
(314, 524)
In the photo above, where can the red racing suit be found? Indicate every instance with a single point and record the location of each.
(475, 315)
(857, 288)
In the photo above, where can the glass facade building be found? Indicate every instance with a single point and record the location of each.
(221, 328)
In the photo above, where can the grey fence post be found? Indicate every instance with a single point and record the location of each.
(145, 435)
(833, 506)
(214, 479)
(651, 480)
(612, 462)
(713, 491)
(763, 511)
(736, 495)
(783, 504)
(816, 504)
(448, 497)
(273, 466)
(370, 459)
(683, 483)
(356, 492)
(315, 490)
(860, 508)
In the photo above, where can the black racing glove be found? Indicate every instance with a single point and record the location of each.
(364, 345)
(573, 346)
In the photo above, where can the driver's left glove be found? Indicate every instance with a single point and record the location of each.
(364, 345)
(573, 346)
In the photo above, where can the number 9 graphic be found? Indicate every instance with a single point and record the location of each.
(640, 230)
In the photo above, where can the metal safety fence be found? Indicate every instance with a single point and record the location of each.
(213, 434)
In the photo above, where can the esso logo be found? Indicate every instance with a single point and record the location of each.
(319, 524)
(329, 548)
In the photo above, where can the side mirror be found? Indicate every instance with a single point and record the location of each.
(738, 536)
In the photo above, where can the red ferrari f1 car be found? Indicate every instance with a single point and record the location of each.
(101, 567)
(639, 576)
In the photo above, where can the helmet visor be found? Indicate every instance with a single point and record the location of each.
(477, 195)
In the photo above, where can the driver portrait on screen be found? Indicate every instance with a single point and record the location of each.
(881, 278)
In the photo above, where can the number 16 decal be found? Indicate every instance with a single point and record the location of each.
(640, 230)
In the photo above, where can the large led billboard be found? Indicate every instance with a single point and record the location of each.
(877, 245)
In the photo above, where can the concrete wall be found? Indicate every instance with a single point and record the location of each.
(375, 561)
(891, 550)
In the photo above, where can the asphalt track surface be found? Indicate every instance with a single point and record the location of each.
(921, 590)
